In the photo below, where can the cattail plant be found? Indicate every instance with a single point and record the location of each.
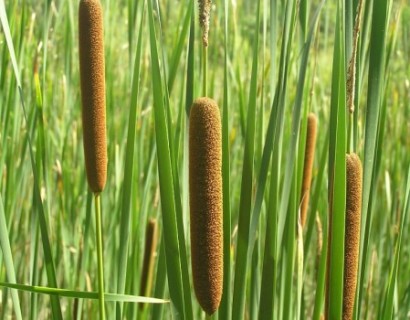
(205, 187)
(308, 165)
(91, 38)
(352, 233)
(151, 235)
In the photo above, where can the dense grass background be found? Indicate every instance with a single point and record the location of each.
(269, 63)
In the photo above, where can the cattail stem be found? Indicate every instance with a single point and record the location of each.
(350, 134)
(352, 233)
(100, 260)
(205, 69)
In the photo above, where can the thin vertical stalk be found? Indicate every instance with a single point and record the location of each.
(204, 68)
(99, 255)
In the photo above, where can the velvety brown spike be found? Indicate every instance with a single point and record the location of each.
(308, 165)
(352, 231)
(205, 188)
(149, 258)
(93, 92)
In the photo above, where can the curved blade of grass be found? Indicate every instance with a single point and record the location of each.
(50, 270)
(239, 293)
(110, 297)
(129, 165)
(8, 259)
(172, 249)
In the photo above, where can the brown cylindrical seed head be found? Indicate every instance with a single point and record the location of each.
(205, 188)
(308, 165)
(352, 231)
(93, 92)
(149, 258)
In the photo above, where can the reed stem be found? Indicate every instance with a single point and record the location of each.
(350, 134)
(205, 69)
(99, 255)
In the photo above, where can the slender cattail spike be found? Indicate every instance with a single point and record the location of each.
(308, 165)
(204, 15)
(149, 258)
(352, 233)
(351, 73)
(93, 92)
(205, 188)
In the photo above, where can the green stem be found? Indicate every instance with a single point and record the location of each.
(350, 134)
(204, 68)
(99, 255)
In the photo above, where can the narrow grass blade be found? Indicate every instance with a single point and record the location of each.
(297, 111)
(180, 45)
(391, 288)
(8, 259)
(224, 308)
(51, 274)
(238, 305)
(337, 175)
(110, 297)
(172, 249)
(321, 273)
(129, 164)
(375, 86)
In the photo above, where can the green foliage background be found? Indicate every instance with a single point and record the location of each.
(269, 63)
